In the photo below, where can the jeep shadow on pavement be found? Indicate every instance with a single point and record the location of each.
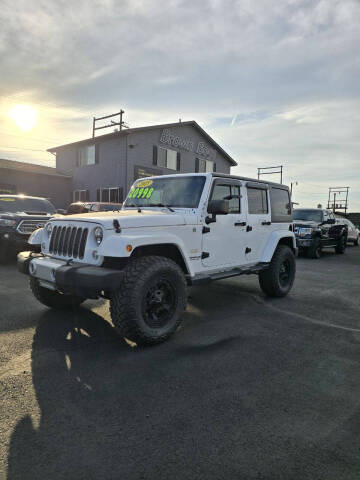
(317, 229)
(173, 231)
(20, 215)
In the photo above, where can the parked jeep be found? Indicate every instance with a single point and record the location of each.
(173, 231)
(316, 229)
(19, 217)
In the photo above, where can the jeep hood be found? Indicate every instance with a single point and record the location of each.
(129, 218)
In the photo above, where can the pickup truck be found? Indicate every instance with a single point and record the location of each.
(316, 229)
(20, 215)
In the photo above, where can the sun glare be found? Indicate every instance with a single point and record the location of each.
(24, 116)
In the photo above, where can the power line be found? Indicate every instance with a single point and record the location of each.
(32, 138)
(27, 149)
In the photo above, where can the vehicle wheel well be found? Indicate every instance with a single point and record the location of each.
(167, 250)
(287, 241)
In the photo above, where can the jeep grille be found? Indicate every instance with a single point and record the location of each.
(68, 241)
(28, 226)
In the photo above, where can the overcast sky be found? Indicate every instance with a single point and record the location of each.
(273, 82)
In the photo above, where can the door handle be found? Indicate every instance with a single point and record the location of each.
(240, 224)
(265, 223)
(248, 228)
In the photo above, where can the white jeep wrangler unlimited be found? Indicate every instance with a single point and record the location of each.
(173, 230)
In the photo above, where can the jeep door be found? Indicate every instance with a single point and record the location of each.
(223, 241)
(258, 220)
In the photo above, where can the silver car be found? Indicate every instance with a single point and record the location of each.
(353, 232)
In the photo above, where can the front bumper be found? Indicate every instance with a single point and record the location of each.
(304, 242)
(10, 238)
(76, 278)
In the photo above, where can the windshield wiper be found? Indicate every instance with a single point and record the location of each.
(151, 205)
(162, 205)
(136, 206)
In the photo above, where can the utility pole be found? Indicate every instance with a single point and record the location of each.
(273, 170)
(121, 124)
(291, 186)
(339, 197)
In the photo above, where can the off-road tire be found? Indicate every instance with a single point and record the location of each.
(53, 299)
(315, 250)
(129, 306)
(270, 279)
(341, 245)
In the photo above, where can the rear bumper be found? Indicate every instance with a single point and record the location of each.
(76, 279)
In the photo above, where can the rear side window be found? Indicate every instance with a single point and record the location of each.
(257, 201)
(280, 205)
(281, 211)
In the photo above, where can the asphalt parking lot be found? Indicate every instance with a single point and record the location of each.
(248, 388)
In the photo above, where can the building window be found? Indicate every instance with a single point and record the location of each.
(80, 195)
(166, 158)
(87, 155)
(257, 201)
(204, 166)
(111, 194)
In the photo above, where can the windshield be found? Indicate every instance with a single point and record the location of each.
(312, 215)
(28, 205)
(182, 192)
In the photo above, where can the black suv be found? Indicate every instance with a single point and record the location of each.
(19, 217)
(316, 229)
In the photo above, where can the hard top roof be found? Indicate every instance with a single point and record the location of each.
(248, 179)
(217, 175)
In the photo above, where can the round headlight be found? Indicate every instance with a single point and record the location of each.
(48, 228)
(99, 234)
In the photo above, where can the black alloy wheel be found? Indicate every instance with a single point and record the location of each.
(285, 273)
(278, 279)
(147, 308)
(159, 303)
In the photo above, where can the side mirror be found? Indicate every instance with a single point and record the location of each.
(217, 207)
(60, 211)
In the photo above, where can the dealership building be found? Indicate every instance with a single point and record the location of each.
(103, 168)
(35, 180)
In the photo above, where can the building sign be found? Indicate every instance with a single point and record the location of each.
(7, 189)
(142, 172)
(176, 141)
(185, 143)
(205, 151)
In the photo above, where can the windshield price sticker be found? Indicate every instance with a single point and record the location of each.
(141, 192)
(144, 183)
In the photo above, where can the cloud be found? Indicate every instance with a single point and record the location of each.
(270, 81)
